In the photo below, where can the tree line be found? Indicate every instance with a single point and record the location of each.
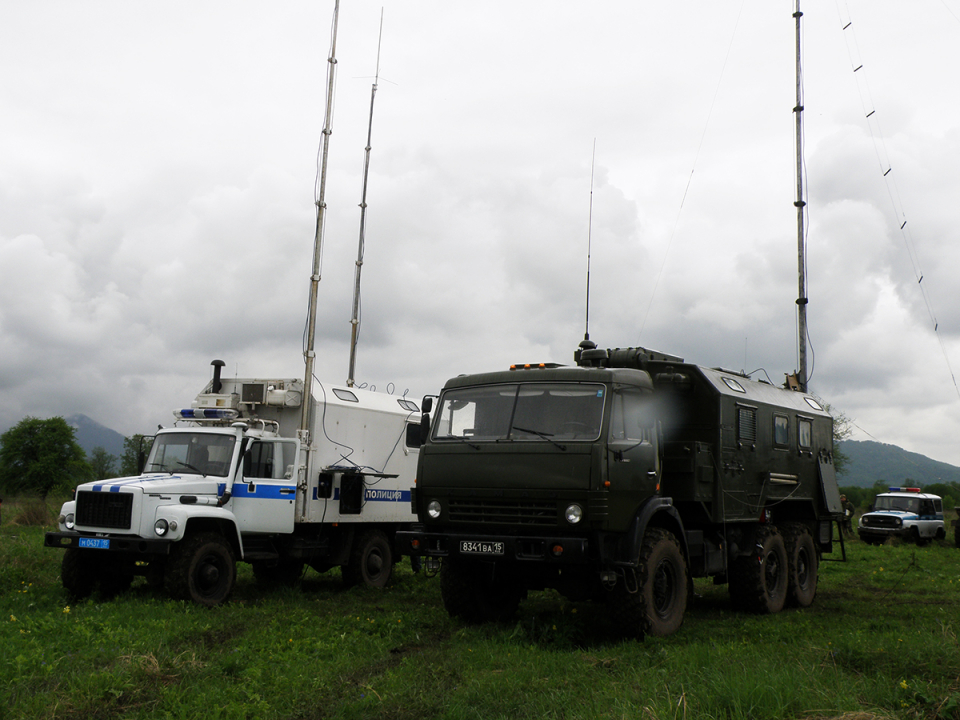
(40, 457)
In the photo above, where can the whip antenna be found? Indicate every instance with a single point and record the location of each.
(587, 343)
(355, 320)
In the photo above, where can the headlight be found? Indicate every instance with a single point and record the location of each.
(69, 521)
(160, 527)
(433, 509)
(573, 514)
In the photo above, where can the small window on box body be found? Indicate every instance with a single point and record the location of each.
(781, 430)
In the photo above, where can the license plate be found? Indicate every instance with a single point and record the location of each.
(95, 543)
(477, 547)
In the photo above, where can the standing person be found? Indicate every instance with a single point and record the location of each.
(848, 510)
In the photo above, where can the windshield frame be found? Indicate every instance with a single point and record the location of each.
(522, 412)
(224, 447)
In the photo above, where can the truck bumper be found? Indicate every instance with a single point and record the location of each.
(559, 550)
(114, 543)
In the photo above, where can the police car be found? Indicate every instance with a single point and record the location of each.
(906, 513)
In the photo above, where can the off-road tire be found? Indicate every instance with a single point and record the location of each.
(758, 581)
(201, 568)
(116, 576)
(285, 572)
(916, 538)
(77, 573)
(473, 593)
(655, 603)
(803, 565)
(371, 561)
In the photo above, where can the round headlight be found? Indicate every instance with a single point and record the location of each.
(573, 514)
(69, 521)
(160, 527)
(433, 509)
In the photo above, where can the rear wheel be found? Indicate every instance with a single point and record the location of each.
(371, 561)
(201, 568)
(758, 581)
(803, 565)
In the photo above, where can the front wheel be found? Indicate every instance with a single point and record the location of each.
(77, 573)
(656, 604)
(202, 569)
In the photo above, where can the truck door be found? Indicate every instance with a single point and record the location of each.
(633, 451)
(264, 495)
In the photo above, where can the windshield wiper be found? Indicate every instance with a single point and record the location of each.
(546, 436)
(459, 438)
(191, 467)
(161, 467)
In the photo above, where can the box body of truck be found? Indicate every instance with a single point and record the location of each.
(620, 480)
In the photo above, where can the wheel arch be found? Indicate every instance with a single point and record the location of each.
(219, 525)
(655, 512)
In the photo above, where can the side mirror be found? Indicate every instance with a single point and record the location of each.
(427, 404)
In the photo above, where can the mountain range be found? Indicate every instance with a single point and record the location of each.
(91, 434)
(870, 461)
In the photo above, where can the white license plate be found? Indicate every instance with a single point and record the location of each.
(96, 543)
(481, 547)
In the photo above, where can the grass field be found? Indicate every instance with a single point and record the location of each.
(879, 642)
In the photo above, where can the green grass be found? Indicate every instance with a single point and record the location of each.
(879, 642)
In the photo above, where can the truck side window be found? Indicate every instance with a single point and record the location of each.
(781, 430)
(270, 460)
(631, 417)
(258, 462)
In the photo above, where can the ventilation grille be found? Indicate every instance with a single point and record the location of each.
(104, 510)
(504, 512)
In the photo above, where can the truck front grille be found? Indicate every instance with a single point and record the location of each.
(504, 512)
(881, 521)
(104, 509)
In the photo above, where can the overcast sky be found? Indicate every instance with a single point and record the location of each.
(158, 165)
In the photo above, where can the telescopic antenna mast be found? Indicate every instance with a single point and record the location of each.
(308, 352)
(799, 203)
(355, 320)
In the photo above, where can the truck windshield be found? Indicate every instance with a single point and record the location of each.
(903, 504)
(201, 453)
(536, 412)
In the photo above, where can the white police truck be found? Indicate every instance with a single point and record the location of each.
(905, 513)
(237, 479)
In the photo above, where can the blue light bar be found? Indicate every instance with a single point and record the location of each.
(206, 414)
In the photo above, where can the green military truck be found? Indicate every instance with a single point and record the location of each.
(620, 480)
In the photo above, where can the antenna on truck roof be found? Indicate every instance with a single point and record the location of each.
(355, 320)
(308, 351)
(586, 343)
